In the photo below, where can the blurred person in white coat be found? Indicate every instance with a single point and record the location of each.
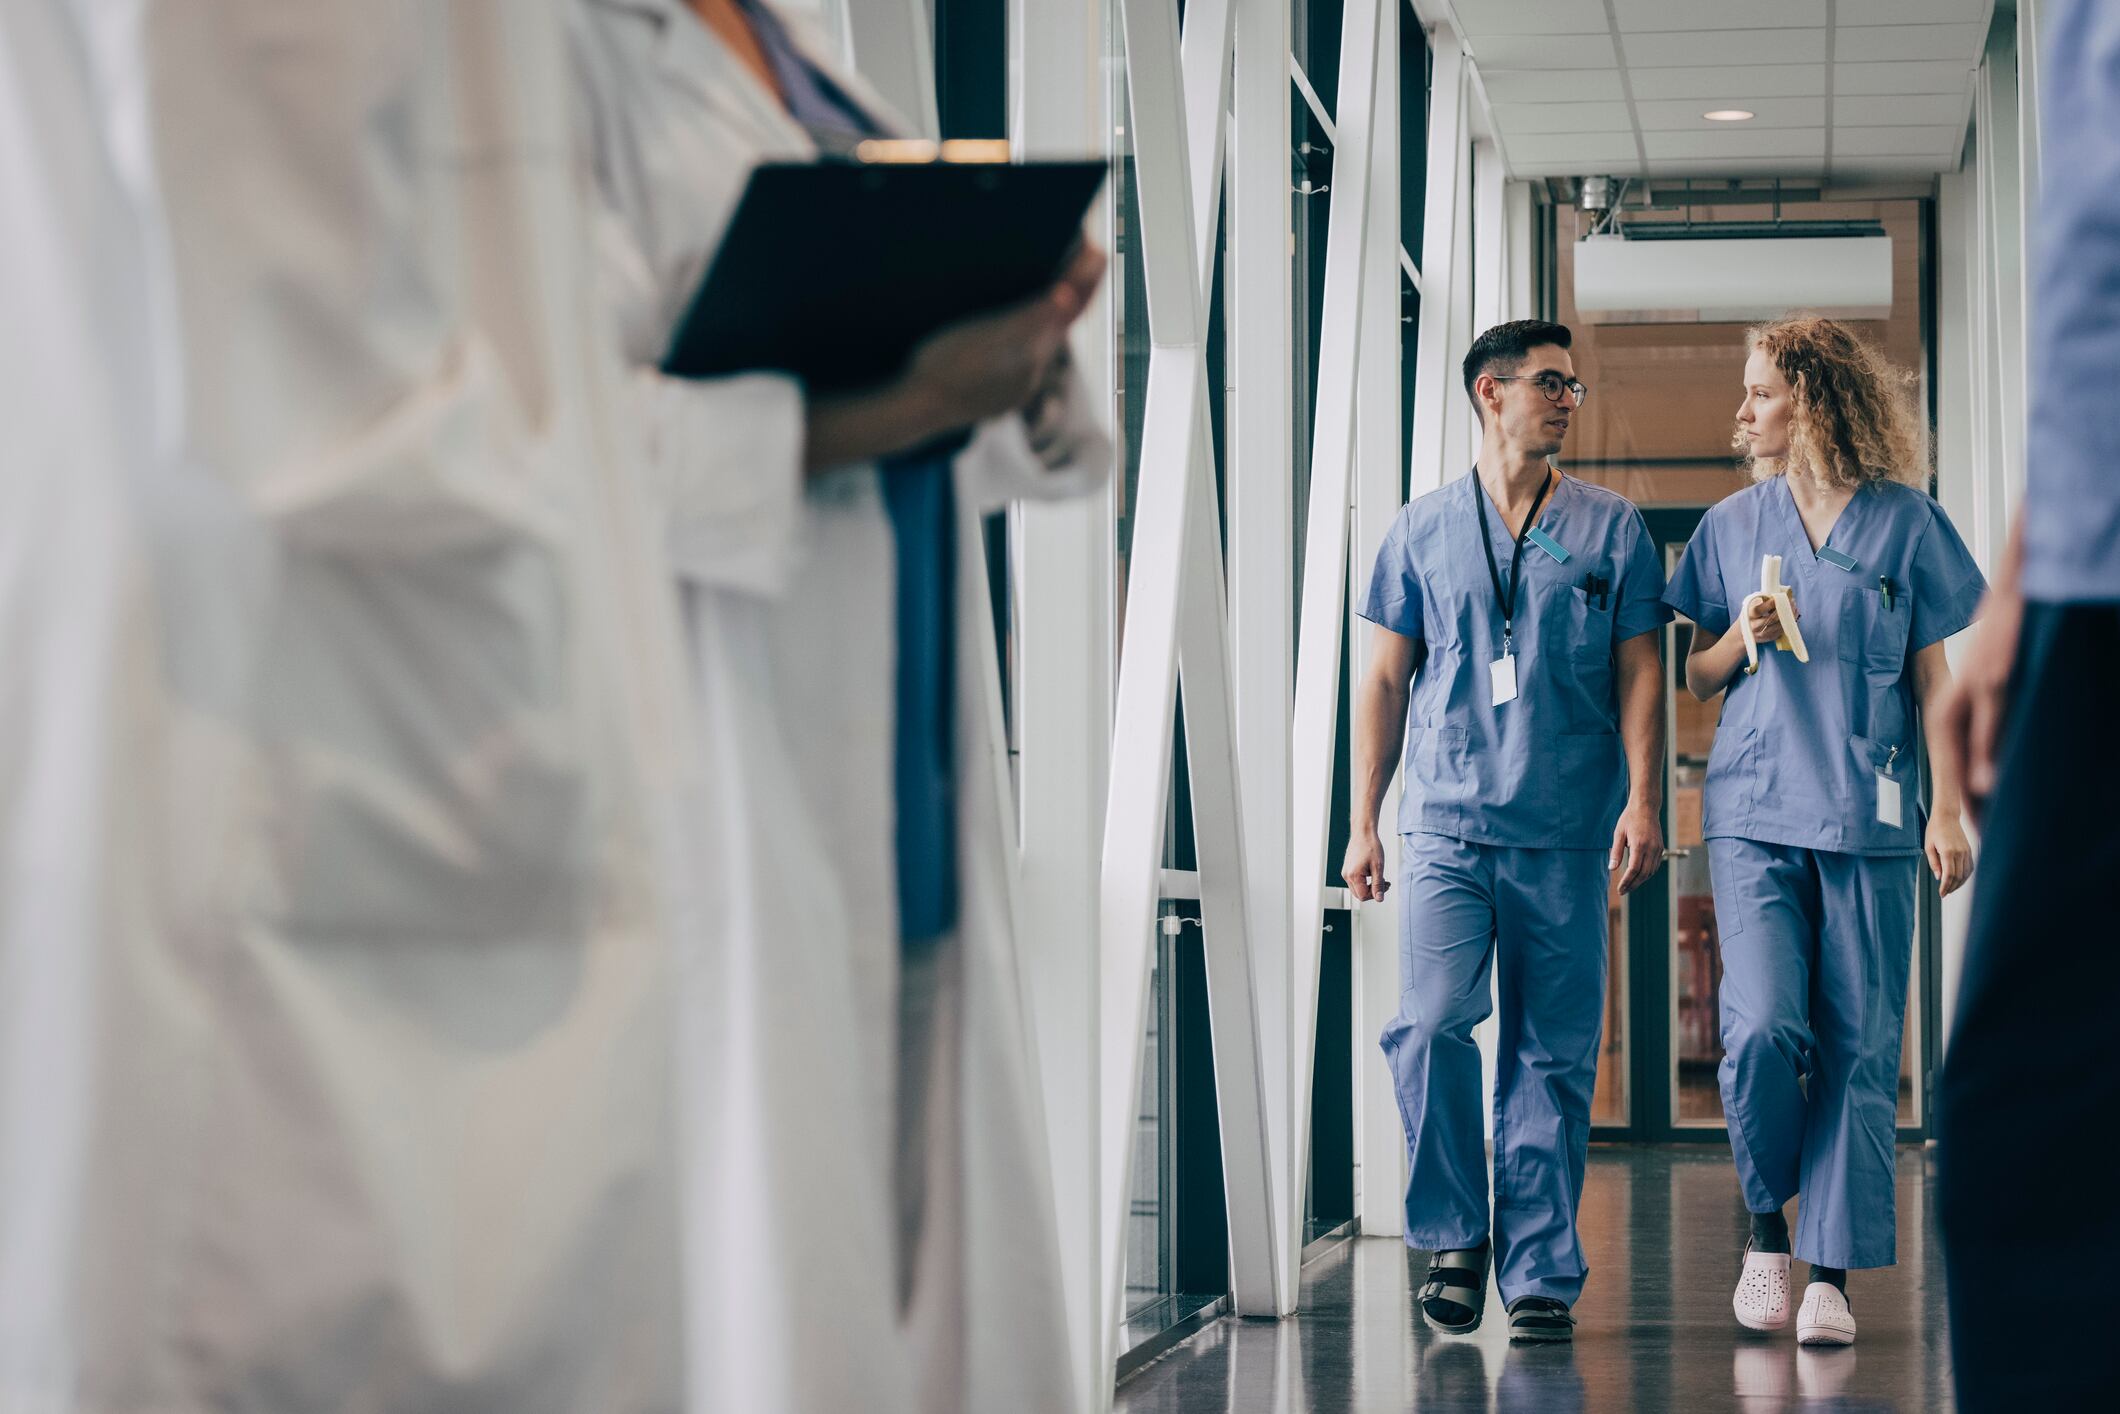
(852, 840)
(334, 993)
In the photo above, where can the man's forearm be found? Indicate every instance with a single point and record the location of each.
(1379, 737)
(1642, 733)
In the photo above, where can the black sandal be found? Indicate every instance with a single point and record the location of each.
(1540, 1318)
(1455, 1293)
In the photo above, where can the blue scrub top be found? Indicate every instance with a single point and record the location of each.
(1546, 770)
(1799, 746)
(2072, 489)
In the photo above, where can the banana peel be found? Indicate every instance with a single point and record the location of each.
(1771, 588)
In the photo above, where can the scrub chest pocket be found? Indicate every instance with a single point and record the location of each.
(1577, 638)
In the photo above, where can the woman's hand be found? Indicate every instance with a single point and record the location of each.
(1004, 362)
(1765, 619)
(978, 368)
(1950, 855)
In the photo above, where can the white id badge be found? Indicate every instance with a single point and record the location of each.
(1501, 674)
(1888, 812)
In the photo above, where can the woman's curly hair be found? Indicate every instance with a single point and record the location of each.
(1852, 418)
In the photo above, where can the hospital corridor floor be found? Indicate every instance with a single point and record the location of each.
(1664, 1233)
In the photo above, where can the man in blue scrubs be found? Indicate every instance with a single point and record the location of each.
(1515, 650)
(2030, 1090)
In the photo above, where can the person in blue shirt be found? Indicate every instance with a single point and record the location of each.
(1515, 650)
(1812, 816)
(2029, 1088)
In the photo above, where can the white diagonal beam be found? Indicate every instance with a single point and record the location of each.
(1325, 560)
(1379, 1147)
(1261, 488)
(1063, 572)
(1437, 386)
(1175, 470)
(893, 48)
(1209, 31)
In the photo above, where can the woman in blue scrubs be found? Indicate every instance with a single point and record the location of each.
(1813, 817)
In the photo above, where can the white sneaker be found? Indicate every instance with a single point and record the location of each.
(1762, 1297)
(1825, 1318)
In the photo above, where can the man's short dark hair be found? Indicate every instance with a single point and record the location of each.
(1503, 349)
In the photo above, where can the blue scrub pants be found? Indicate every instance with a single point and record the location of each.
(1815, 948)
(1542, 911)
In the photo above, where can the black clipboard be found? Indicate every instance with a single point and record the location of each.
(835, 271)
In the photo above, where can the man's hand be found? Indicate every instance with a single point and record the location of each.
(1969, 728)
(1641, 842)
(1364, 869)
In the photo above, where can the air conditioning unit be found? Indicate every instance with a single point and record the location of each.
(1695, 275)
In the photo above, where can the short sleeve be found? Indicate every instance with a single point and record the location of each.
(1641, 581)
(1394, 598)
(1696, 588)
(1947, 583)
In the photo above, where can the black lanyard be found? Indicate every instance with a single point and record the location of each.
(1507, 602)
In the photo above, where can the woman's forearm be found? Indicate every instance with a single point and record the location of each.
(1709, 669)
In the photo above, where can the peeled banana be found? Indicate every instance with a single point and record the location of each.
(1771, 588)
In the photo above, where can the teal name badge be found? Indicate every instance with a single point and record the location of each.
(1554, 547)
(1834, 558)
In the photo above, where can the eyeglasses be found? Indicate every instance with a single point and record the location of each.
(1551, 384)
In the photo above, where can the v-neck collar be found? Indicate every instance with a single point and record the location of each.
(1551, 499)
(1793, 515)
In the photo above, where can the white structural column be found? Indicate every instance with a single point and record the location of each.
(1378, 492)
(1261, 489)
(1518, 212)
(1443, 274)
(2003, 276)
(1062, 556)
(1490, 257)
(1324, 602)
(1174, 581)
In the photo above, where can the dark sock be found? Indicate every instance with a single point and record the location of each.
(1770, 1232)
(1834, 1277)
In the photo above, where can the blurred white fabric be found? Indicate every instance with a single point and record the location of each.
(336, 660)
(787, 592)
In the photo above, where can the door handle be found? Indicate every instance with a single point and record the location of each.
(1678, 854)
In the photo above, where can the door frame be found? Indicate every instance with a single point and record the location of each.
(1650, 1100)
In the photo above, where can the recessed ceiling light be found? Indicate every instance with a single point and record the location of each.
(1729, 115)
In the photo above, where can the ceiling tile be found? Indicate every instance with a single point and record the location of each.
(1847, 169)
(1932, 76)
(1678, 113)
(1725, 46)
(1857, 43)
(1901, 110)
(1577, 151)
(1545, 51)
(1530, 118)
(1559, 86)
(1736, 166)
(1764, 142)
(1644, 16)
(1882, 142)
(1731, 81)
(1484, 17)
(1910, 12)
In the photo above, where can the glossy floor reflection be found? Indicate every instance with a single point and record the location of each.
(1664, 1231)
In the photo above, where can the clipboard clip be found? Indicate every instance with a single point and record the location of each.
(918, 151)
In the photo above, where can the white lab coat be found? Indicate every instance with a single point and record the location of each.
(788, 609)
(334, 990)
